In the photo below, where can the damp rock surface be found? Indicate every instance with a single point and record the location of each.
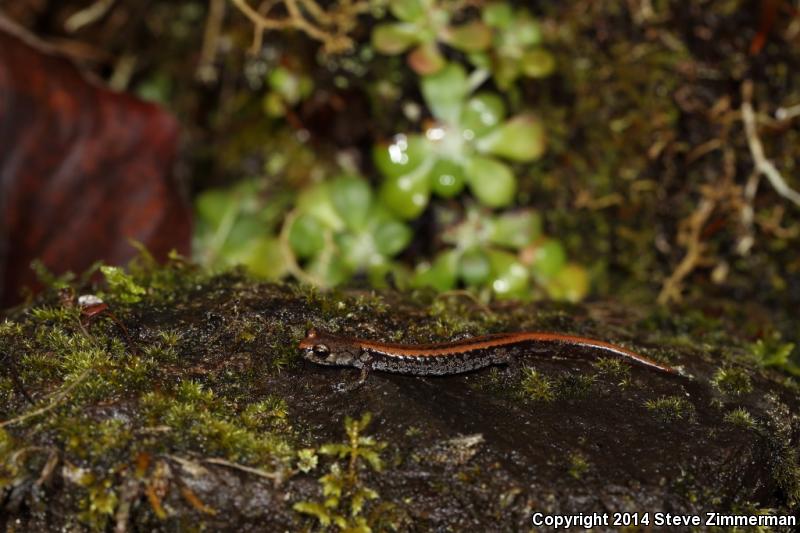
(192, 408)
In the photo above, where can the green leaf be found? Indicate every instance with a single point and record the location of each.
(571, 283)
(509, 276)
(394, 39)
(491, 181)
(265, 258)
(548, 259)
(361, 495)
(447, 178)
(483, 112)
(273, 104)
(317, 201)
(473, 36)
(403, 155)
(498, 14)
(474, 267)
(374, 459)
(441, 275)
(214, 204)
(426, 59)
(505, 71)
(445, 91)
(340, 450)
(408, 10)
(517, 229)
(537, 63)
(290, 85)
(358, 249)
(314, 509)
(242, 232)
(525, 31)
(407, 195)
(480, 60)
(391, 237)
(351, 197)
(522, 138)
(306, 236)
(331, 269)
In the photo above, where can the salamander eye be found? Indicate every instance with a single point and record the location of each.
(321, 350)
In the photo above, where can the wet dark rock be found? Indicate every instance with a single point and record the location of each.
(467, 452)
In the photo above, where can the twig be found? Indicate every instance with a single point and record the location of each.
(59, 397)
(748, 214)
(671, 289)
(205, 68)
(88, 15)
(330, 27)
(787, 113)
(762, 164)
(274, 476)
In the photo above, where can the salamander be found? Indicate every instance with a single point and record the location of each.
(452, 357)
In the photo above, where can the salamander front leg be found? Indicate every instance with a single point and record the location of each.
(366, 366)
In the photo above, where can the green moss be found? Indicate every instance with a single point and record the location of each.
(344, 491)
(201, 421)
(740, 417)
(615, 369)
(578, 465)
(122, 286)
(670, 408)
(98, 503)
(772, 352)
(537, 386)
(732, 381)
(574, 386)
(105, 398)
(61, 315)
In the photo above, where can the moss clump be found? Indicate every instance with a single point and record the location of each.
(536, 386)
(574, 386)
(740, 417)
(105, 414)
(122, 285)
(772, 352)
(732, 381)
(201, 423)
(578, 465)
(670, 408)
(615, 369)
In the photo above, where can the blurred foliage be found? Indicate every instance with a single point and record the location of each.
(337, 224)
(442, 109)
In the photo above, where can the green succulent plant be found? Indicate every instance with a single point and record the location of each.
(421, 26)
(234, 227)
(341, 229)
(505, 254)
(516, 46)
(465, 145)
(287, 89)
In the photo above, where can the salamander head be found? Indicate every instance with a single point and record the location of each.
(325, 349)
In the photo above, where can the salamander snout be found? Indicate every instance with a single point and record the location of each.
(314, 348)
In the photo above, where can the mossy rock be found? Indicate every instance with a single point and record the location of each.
(191, 409)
